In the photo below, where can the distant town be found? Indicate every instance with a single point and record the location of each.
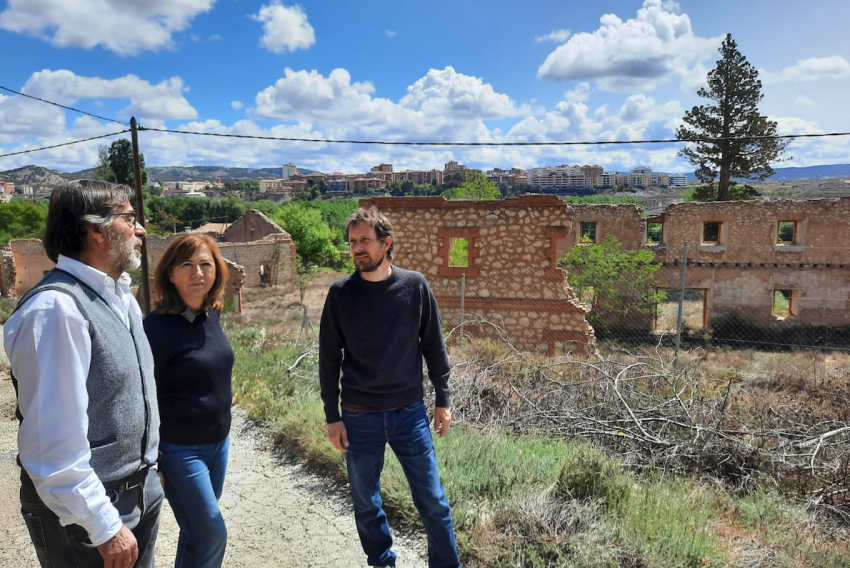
(380, 178)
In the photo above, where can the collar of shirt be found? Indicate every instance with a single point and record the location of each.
(191, 314)
(116, 294)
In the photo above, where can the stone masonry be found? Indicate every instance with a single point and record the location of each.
(513, 246)
(511, 278)
(269, 250)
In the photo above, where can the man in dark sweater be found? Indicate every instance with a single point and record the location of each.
(377, 325)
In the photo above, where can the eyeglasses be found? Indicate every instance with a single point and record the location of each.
(130, 214)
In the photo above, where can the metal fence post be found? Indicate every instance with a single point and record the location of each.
(681, 305)
(462, 294)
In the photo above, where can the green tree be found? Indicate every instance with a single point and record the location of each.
(478, 187)
(103, 171)
(314, 240)
(737, 192)
(612, 280)
(22, 219)
(734, 87)
(120, 158)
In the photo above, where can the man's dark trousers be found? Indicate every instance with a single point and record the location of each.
(138, 502)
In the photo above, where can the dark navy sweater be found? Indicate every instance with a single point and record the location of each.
(376, 334)
(193, 366)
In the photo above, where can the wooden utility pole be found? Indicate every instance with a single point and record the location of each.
(140, 217)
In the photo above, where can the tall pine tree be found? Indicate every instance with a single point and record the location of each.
(735, 88)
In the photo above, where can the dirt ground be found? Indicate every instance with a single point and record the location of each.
(277, 513)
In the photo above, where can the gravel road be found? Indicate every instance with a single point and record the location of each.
(277, 513)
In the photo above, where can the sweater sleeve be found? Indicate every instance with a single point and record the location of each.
(331, 345)
(434, 347)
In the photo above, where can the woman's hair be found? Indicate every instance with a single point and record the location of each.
(75, 205)
(167, 298)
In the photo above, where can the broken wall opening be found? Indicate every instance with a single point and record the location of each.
(694, 310)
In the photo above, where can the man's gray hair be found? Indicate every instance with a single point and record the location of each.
(74, 206)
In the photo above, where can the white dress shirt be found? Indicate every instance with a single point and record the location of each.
(48, 344)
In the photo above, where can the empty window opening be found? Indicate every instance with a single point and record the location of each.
(711, 233)
(693, 310)
(588, 232)
(784, 303)
(459, 252)
(654, 233)
(786, 232)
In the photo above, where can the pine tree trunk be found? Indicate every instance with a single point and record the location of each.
(723, 185)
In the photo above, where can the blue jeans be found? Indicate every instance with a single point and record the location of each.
(194, 477)
(406, 430)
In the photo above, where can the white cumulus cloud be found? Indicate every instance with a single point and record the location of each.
(635, 54)
(127, 28)
(805, 101)
(285, 28)
(237, 105)
(164, 100)
(451, 94)
(558, 36)
(812, 69)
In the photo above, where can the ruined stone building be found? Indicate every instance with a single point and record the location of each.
(258, 252)
(741, 255)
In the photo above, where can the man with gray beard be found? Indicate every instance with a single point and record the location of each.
(83, 375)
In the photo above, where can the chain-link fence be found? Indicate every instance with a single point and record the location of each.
(540, 311)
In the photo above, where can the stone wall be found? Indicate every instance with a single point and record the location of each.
(514, 244)
(511, 279)
(252, 226)
(742, 271)
(257, 259)
(31, 264)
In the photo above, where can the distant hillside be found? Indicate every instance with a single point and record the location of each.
(837, 171)
(38, 176)
(35, 176)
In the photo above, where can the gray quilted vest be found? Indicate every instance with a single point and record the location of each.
(123, 414)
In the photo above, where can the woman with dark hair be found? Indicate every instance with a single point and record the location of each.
(193, 364)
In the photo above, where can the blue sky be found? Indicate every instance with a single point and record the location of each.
(537, 70)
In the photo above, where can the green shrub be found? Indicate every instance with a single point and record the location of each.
(589, 474)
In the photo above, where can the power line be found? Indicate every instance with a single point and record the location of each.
(63, 106)
(64, 144)
(571, 143)
(407, 143)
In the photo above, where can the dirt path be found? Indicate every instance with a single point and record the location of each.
(277, 514)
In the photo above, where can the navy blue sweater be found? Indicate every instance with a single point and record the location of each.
(376, 334)
(193, 366)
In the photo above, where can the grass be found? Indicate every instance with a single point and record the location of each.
(531, 500)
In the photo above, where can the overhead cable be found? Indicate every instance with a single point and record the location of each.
(571, 143)
(64, 144)
(65, 107)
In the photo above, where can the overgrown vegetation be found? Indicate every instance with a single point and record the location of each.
(612, 281)
(616, 460)
(22, 219)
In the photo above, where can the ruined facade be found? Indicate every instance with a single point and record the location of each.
(259, 251)
(511, 278)
(741, 255)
